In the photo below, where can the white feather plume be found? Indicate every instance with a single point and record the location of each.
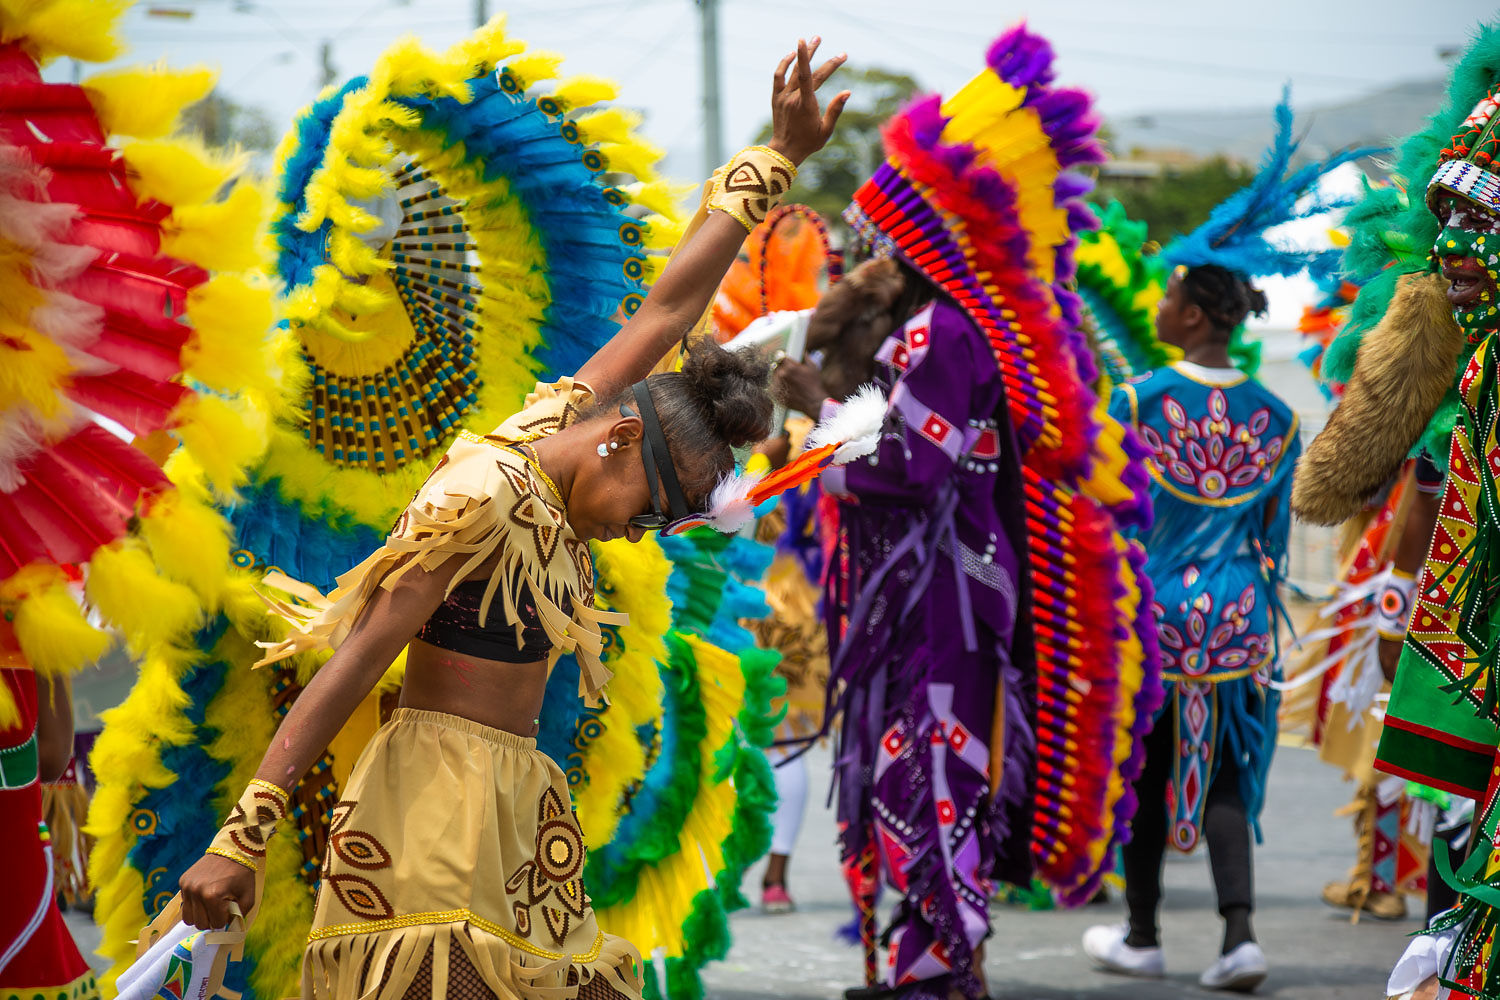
(729, 507)
(855, 426)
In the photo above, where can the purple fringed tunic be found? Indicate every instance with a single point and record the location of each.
(923, 594)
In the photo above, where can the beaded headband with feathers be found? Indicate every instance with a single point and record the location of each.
(1466, 166)
(853, 431)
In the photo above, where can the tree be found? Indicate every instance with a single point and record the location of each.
(218, 121)
(1180, 199)
(827, 182)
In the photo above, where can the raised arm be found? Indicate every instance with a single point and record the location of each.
(682, 294)
(388, 623)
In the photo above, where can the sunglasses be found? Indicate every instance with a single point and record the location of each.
(659, 469)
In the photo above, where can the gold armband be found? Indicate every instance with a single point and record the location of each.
(751, 184)
(251, 823)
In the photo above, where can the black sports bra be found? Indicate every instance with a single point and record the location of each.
(454, 626)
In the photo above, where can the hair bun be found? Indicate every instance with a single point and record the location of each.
(1257, 302)
(730, 389)
(1226, 296)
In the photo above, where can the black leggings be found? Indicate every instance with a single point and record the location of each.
(1440, 895)
(1226, 828)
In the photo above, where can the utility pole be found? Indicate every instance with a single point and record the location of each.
(481, 13)
(325, 61)
(713, 111)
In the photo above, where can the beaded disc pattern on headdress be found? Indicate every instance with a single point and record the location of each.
(443, 246)
(451, 230)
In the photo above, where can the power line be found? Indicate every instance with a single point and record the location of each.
(1223, 69)
(666, 39)
(882, 27)
(584, 8)
(189, 32)
(864, 24)
(961, 23)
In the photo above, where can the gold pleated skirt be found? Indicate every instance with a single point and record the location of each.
(455, 869)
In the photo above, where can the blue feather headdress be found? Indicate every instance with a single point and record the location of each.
(1234, 237)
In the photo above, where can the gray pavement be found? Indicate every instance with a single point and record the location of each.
(1313, 950)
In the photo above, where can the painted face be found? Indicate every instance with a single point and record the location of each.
(1468, 251)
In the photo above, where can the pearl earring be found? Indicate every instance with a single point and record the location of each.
(603, 450)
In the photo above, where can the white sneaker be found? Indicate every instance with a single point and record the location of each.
(1241, 970)
(1105, 945)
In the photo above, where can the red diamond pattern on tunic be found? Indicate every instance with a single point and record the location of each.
(900, 357)
(959, 738)
(897, 857)
(988, 445)
(1191, 789)
(892, 742)
(936, 429)
(917, 337)
(1196, 715)
(945, 812)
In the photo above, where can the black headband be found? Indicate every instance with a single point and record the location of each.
(658, 458)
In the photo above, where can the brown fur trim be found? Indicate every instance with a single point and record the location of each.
(851, 321)
(1404, 367)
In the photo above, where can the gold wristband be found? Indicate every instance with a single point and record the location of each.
(232, 856)
(751, 184)
(251, 824)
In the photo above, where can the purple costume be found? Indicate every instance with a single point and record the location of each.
(924, 593)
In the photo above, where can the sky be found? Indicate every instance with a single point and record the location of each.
(1134, 56)
(1288, 296)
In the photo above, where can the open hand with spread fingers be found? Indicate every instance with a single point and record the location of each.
(799, 128)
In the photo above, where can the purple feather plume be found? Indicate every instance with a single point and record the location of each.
(1021, 58)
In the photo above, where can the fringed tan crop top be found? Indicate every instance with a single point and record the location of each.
(483, 498)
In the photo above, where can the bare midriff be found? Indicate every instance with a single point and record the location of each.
(506, 696)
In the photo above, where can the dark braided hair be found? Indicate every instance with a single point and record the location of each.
(1225, 296)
